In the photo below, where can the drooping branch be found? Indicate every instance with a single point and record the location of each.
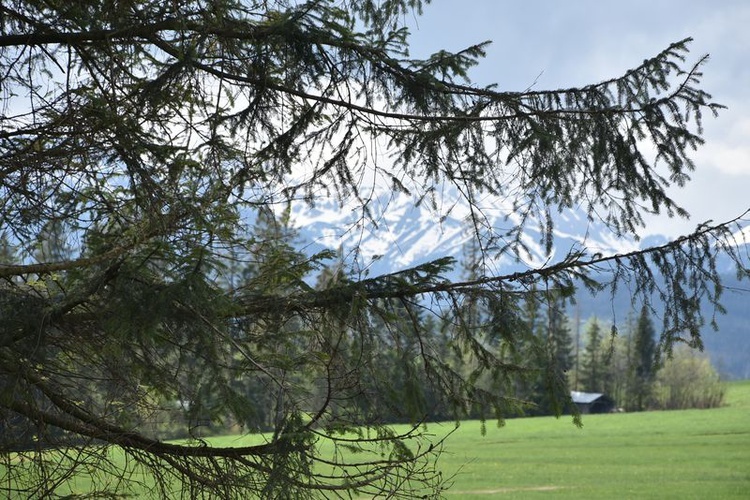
(405, 284)
(77, 420)
(160, 128)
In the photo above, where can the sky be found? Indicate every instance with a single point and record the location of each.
(551, 44)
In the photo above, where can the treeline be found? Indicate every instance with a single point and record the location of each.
(427, 363)
(629, 367)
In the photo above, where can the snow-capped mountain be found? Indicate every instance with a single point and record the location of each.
(398, 233)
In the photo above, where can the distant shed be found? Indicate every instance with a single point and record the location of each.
(592, 402)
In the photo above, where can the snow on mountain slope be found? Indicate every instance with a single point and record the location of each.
(402, 234)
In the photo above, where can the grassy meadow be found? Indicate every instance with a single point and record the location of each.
(679, 454)
(686, 454)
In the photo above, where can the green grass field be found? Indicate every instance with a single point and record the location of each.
(697, 454)
(701, 454)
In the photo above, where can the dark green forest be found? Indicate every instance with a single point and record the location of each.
(542, 350)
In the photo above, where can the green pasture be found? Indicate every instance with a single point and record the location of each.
(697, 454)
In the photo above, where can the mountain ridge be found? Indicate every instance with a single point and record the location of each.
(399, 234)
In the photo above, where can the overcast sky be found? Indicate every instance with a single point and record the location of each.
(551, 44)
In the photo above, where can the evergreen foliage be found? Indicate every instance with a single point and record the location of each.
(557, 360)
(150, 155)
(644, 361)
(593, 372)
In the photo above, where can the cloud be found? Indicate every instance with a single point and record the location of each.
(730, 158)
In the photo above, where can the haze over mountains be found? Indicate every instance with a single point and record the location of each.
(403, 235)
